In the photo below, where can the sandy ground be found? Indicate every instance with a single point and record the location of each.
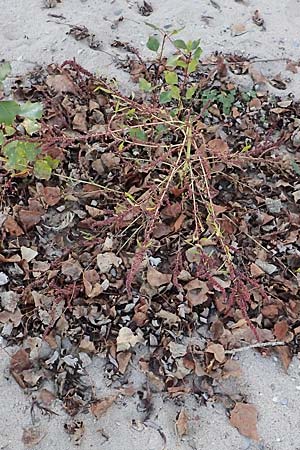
(29, 36)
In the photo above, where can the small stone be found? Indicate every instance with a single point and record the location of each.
(266, 267)
(273, 206)
(3, 279)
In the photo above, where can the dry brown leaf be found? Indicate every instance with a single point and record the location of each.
(218, 148)
(30, 218)
(218, 351)
(285, 356)
(168, 316)
(156, 278)
(126, 339)
(280, 330)
(231, 369)
(292, 66)
(71, 268)
(61, 84)
(244, 418)
(91, 283)
(11, 227)
(123, 359)
(100, 407)
(32, 436)
(20, 361)
(51, 195)
(105, 261)
(238, 29)
(182, 423)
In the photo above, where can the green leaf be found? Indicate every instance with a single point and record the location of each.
(138, 133)
(1, 138)
(195, 44)
(179, 43)
(53, 163)
(42, 170)
(161, 128)
(153, 44)
(173, 32)
(192, 66)
(19, 154)
(165, 97)
(5, 69)
(151, 25)
(31, 126)
(175, 91)
(172, 60)
(190, 92)
(9, 131)
(197, 53)
(145, 85)
(30, 110)
(181, 63)
(8, 111)
(189, 46)
(295, 167)
(171, 77)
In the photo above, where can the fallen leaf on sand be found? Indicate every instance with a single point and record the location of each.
(285, 356)
(238, 29)
(32, 436)
(244, 418)
(182, 423)
(100, 407)
(20, 361)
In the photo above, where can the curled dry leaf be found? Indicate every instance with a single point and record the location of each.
(182, 423)
(127, 339)
(156, 278)
(244, 418)
(218, 351)
(91, 283)
(99, 408)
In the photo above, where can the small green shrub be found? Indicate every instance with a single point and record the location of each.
(20, 155)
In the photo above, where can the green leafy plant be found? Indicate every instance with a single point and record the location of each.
(176, 85)
(20, 155)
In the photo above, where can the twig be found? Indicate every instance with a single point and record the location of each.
(257, 345)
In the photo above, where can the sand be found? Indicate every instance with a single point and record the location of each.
(30, 37)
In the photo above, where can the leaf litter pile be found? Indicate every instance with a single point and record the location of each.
(168, 234)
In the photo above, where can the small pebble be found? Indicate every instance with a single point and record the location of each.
(284, 402)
